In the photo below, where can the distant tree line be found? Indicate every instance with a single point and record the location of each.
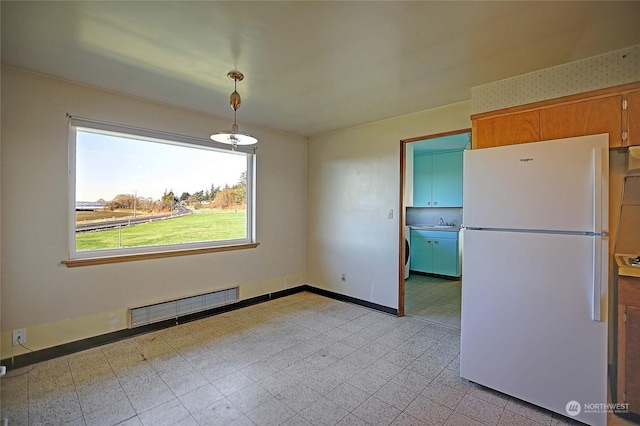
(213, 197)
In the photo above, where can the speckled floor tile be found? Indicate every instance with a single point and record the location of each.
(351, 420)
(112, 414)
(250, 397)
(347, 396)
(479, 410)
(324, 413)
(165, 414)
(220, 413)
(376, 412)
(270, 413)
(427, 411)
(443, 394)
(299, 397)
(298, 360)
(398, 396)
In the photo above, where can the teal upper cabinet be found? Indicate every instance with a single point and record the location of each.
(437, 180)
(446, 184)
(422, 177)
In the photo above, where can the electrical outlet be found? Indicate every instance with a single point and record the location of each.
(390, 214)
(19, 337)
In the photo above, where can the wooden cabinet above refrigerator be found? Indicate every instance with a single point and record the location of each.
(615, 111)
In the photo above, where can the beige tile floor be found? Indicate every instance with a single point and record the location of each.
(299, 360)
(433, 299)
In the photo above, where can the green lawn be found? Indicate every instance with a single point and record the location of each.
(201, 226)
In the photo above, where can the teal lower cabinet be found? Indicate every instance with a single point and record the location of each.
(421, 251)
(435, 252)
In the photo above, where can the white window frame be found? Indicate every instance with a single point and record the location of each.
(99, 127)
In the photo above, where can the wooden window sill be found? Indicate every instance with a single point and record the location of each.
(73, 263)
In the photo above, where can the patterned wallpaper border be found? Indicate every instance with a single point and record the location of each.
(597, 72)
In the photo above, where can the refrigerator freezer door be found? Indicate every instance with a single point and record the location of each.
(527, 328)
(559, 185)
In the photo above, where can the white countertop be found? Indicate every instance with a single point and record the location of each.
(439, 228)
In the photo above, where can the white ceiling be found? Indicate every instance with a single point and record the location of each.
(310, 67)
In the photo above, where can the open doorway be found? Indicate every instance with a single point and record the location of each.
(431, 216)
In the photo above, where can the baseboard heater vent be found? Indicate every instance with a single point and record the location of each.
(149, 314)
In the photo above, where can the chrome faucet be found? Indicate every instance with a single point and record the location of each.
(442, 222)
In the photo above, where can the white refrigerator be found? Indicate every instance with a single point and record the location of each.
(535, 273)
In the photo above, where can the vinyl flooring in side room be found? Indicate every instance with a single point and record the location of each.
(299, 360)
(433, 299)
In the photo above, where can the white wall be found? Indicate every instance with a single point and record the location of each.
(353, 180)
(57, 304)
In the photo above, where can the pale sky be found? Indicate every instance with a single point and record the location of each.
(108, 165)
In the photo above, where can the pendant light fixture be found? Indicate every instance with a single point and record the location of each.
(234, 137)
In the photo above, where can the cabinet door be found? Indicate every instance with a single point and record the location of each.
(508, 129)
(446, 185)
(445, 257)
(422, 181)
(633, 113)
(602, 115)
(421, 252)
(632, 371)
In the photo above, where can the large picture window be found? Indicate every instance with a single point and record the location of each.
(140, 191)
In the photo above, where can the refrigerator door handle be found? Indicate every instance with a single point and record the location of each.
(600, 275)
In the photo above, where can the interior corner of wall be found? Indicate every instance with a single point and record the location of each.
(294, 280)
